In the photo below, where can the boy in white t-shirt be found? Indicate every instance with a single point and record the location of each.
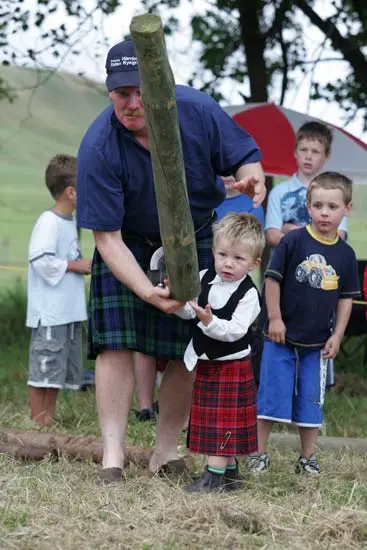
(56, 303)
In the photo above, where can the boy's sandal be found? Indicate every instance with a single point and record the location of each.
(110, 475)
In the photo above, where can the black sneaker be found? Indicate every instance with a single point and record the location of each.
(146, 415)
(308, 466)
(208, 483)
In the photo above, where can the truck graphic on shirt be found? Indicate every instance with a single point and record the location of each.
(315, 271)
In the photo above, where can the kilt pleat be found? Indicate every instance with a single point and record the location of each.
(118, 319)
(223, 410)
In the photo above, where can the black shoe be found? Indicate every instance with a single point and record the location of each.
(208, 483)
(146, 415)
(232, 480)
(155, 407)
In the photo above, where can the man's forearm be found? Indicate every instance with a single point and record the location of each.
(343, 312)
(122, 262)
(272, 297)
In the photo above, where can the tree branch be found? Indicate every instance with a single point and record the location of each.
(346, 45)
(285, 78)
(254, 44)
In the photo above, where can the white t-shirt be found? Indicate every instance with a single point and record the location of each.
(54, 296)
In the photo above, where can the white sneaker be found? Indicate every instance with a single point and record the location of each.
(259, 463)
(308, 466)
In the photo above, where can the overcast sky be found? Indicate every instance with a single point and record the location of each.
(182, 56)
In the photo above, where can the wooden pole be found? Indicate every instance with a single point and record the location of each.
(26, 445)
(159, 99)
(29, 445)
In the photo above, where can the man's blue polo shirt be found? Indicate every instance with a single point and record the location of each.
(115, 188)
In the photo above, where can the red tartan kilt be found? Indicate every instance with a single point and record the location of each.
(223, 410)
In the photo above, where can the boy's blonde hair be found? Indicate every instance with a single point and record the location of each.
(244, 228)
(331, 180)
(316, 130)
(60, 174)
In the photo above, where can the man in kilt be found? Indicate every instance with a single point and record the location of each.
(223, 420)
(116, 200)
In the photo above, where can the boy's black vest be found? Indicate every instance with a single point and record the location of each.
(216, 348)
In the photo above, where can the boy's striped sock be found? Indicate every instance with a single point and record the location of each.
(216, 470)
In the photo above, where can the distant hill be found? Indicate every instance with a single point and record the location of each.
(45, 119)
(42, 121)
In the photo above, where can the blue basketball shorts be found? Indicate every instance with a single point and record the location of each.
(292, 385)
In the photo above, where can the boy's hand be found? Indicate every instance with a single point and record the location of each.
(80, 266)
(85, 266)
(205, 315)
(331, 347)
(276, 331)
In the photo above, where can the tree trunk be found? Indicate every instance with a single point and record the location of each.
(159, 99)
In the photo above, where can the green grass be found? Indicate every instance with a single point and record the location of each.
(57, 504)
(32, 130)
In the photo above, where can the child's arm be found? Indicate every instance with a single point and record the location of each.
(52, 269)
(276, 330)
(80, 266)
(235, 328)
(273, 219)
(42, 252)
(343, 312)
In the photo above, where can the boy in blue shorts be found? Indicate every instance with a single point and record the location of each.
(312, 276)
(56, 303)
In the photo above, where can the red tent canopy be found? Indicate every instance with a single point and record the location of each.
(274, 129)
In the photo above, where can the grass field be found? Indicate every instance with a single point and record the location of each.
(36, 126)
(58, 505)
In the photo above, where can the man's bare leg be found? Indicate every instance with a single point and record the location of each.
(114, 390)
(174, 406)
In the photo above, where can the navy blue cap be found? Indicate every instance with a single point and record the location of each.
(122, 66)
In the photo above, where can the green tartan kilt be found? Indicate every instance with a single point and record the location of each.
(119, 320)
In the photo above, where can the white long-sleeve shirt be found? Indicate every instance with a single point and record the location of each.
(247, 310)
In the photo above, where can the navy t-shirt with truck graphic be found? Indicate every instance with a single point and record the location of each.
(313, 274)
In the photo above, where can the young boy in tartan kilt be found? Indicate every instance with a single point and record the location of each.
(223, 410)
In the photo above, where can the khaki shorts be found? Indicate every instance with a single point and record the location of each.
(55, 357)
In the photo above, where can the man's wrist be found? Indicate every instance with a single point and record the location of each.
(276, 317)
